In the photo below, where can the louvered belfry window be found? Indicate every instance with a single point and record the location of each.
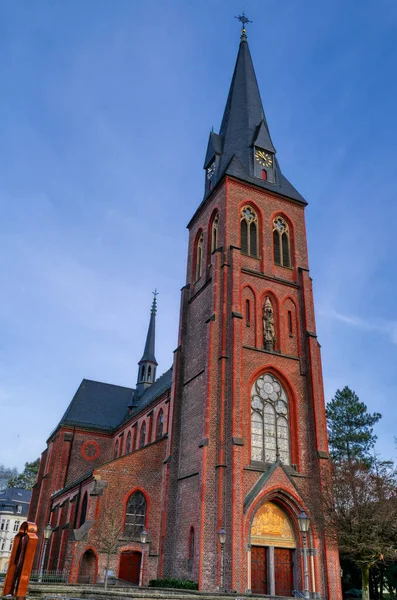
(135, 517)
(281, 242)
(270, 440)
(249, 231)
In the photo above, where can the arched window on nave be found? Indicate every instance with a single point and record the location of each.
(116, 449)
(160, 425)
(142, 438)
(83, 513)
(135, 516)
(270, 438)
(128, 443)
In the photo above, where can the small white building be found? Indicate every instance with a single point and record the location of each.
(14, 506)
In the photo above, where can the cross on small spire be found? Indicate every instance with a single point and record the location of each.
(243, 20)
(154, 303)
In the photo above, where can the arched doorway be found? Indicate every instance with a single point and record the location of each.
(87, 572)
(130, 564)
(272, 552)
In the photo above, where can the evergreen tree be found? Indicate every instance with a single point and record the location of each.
(350, 427)
(27, 478)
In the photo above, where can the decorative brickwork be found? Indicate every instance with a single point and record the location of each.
(240, 421)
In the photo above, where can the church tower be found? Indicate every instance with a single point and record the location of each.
(248, 450)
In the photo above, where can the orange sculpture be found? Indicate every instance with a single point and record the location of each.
(21, 561)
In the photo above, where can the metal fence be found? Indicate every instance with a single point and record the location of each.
(48, 577)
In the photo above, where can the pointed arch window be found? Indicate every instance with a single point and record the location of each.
(270, 438)
(214, 233)
(190, 562)
(249, 231)
(199, 256)
(143, 373)
(116, 449)
(128, 443)
(149, 373)
(135, 517)
(281, 242)
(142, 438)
(83, 513)
(160, 425)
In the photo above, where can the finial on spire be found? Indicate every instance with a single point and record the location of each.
(154, 303)
(243, 20)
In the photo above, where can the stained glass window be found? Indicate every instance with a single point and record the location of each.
(135, 514)
(269, 421)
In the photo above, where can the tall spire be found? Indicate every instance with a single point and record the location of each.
(147, 365)
(243, 131)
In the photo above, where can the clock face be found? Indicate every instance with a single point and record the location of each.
(211, 170)
(263, 158)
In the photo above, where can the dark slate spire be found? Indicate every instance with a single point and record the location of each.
(148, 363)
(148, 353)
(243, 130)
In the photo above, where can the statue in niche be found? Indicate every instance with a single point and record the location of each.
(269, 336)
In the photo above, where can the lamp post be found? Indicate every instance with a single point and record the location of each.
(222, 540)
(304, 526)
(47, 532)
(143, 537)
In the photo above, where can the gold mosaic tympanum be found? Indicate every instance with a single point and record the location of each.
(271, 527)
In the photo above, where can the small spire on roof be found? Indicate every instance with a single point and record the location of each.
(244, 20)
(154, 303)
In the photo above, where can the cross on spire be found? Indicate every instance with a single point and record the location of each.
(243, 20)
(154, 303)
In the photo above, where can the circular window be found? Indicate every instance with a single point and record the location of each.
(90, 450)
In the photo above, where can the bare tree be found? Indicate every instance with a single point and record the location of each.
(360, 510)
(109, 525)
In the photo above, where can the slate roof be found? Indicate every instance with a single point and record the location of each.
(10, 498)
(104, 406)
(98, 405)
(243, 126)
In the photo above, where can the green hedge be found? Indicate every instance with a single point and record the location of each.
(182, 584)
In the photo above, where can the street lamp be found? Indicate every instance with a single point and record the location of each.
(47, 532)
(304, 526)
(143, 536)
(222, 541)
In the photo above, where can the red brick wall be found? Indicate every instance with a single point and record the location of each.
(215, 366)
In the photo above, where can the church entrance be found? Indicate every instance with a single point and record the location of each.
(130, 564)
(272, 552)
(87, 572)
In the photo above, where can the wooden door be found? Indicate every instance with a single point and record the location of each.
(259, 570)
(130, 563)
(283, 571)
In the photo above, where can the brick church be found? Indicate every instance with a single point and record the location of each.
(230, 444)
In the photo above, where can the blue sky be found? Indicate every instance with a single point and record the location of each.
(105, 110)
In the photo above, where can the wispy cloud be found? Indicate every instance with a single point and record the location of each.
(382, 326)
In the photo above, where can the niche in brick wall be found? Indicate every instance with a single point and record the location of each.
(249, 317)
(290, 328)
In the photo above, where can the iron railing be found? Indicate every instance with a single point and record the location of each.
(49, 576)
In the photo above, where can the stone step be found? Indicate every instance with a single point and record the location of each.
(49, 591)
